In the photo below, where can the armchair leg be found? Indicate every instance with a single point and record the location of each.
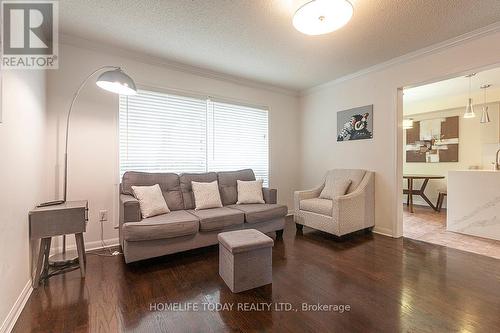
(279, 234)
(299, 226)
(368, 230)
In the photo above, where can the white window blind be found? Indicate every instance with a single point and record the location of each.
(162, 133)
(238, 137)
(171, 133)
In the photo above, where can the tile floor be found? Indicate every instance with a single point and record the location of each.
(429, 226)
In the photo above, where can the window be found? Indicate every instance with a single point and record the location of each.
(171, 133)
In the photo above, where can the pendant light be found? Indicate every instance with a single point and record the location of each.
(469, 110)
(485, 117)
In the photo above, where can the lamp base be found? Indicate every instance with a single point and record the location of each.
(69, 257)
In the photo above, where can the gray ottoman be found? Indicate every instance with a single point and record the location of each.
(245, 259)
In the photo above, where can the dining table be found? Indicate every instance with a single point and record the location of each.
(410, 191)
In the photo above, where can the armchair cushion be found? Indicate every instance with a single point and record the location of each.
(339, 176)
(335, 188)
(317, 205)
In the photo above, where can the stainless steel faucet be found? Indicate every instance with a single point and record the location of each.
(497, 162)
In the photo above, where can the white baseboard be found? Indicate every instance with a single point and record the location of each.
(383, 231)
(17, 308)
(421, 202)
(89, 246)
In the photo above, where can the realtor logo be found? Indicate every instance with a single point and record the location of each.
(29, 34)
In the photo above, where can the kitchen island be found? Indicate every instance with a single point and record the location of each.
(474, 203)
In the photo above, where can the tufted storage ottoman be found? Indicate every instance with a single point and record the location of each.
(245, 259)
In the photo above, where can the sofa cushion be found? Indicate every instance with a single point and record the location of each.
(228, 186)
(174, 224)
(187, 189)
(317, 205)
(169, 185)
(218, 218)
(255, 213)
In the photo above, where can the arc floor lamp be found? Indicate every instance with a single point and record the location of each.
(115, 80)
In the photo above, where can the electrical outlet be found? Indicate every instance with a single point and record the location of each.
(103, 215)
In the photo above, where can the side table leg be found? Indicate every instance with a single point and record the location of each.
(80, 246)
(41, 261)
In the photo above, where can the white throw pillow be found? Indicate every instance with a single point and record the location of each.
(206, 195)
(249, 192)
(335, 188)
(151, 200)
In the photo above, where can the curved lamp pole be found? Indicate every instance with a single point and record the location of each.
(113, 80)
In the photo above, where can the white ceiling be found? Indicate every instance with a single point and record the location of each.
(453, 87)
(255, 39)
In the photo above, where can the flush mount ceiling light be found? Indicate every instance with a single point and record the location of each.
(320, 17)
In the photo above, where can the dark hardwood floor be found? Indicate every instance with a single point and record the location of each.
(391, 285)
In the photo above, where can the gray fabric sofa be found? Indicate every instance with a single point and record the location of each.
(185, 228)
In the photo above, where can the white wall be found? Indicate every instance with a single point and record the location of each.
(383, 153)
(22, 160)
(424, 105)
(93, 172)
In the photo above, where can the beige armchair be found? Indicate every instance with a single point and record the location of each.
(344, 214)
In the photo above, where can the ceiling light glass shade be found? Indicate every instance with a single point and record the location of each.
(485, 117)
(320, 17)
(407, 123)
(469, 111)
(116, 81)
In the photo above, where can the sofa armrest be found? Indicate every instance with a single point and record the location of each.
(356, 210)
(130, 210)
(270, 195)
(306, 194)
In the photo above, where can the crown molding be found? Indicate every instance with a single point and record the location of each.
(475, 34)
(172, 65)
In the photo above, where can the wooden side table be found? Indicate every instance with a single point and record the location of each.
(46, 222)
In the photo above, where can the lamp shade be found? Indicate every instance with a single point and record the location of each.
(485, 117)
(117, 82)
(469, 110)
(319, 17)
